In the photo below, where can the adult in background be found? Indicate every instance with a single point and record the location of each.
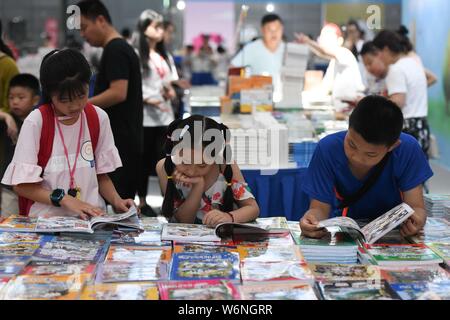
(265, 56)
(118, 90)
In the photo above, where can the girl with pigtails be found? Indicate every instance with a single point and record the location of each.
(199, 182)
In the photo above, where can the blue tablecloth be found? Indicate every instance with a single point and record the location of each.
(280, 194)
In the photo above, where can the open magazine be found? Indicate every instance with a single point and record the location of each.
(128, 219)
(228, 230)
(376, 229)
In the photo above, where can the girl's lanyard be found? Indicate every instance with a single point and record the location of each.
(73, 190)
(160, 70)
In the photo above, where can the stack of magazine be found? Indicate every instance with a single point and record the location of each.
(435, 204)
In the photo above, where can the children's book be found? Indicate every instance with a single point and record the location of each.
(273, 223)
(146, 238)
(72, 250)
(442, 250)
(435, 230)
(20, 237)
(179, 247)
(48, 268)
(205, 266)
(71, 224)
(270, 253)
(52, 287)
(250, 231)
(18, 223)
(132, 254)
(132, 272)
(275, 271)
(373, 231)
(344, 272)
(402, 254)
(11, 266)
(285, 290)
(422, 290)
(188, 232)
(18, 249)
(355, 290)
(153, 223)
(121, 291)
(284, 239)
(432, 273)
(198, 290)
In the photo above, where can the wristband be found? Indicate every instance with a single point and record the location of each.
(232, 217)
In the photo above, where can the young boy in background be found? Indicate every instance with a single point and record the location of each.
(23, 96)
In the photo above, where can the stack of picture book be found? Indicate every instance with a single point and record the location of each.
(402, 254)
(435, 230)
(443, 251)
(435, 204)
(335, 247)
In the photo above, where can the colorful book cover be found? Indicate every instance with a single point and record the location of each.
(273, 223)
(409, 291)
(275, 271)
(131, 272)
(20, 237)
(285, 290)
(18, 223)
(71, 250)
(202, 248)
(132, 254)
(385, 254)
(18, 249)
(207, 266)
(442, 250)
(408, 274)
(147, 238)
(335, 240)
(355, 290)
(11, 266)
(198, 290)
(344, 272)
(121, 291)
(188, 232)
(47, 268)
(153, 223)
(283, 240)
(270, 253)
(44, 287)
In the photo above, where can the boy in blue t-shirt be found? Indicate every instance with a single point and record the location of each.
(343, 162)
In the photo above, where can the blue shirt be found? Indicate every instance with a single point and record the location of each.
(406, 169)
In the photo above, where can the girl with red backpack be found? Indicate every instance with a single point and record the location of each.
(65, 148)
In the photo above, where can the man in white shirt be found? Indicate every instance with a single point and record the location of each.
(265, 56)
(343, 77)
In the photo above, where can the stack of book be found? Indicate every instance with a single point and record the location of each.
(402, 254)
(435, 230)
(435, 204)
(337, 247)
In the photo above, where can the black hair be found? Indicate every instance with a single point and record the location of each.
(162, 50)
(268, 18)
(3, 47)
(369, 48)
(221, 49)
(167, 24)
(378, 120)
(126, 33)
(171, 194)
(64, 72)
(355, 23)
(27, 81)
(92, 9)
(392, 40)
(141, 42)
(403, 32)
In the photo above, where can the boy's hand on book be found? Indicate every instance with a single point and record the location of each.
(214, 217)
(123, 205)
(80, 209)
(413, 225)
(309, 226)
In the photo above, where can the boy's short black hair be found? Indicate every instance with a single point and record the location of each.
(92, 9)
(25, 80)
(65, 72)
(392, 40)
(268, 18)
(369, 48)
(378, 120)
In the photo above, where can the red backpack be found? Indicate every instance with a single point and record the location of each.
(46, 142)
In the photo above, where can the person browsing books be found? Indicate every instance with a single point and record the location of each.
(199, 182)
(23, 95)
(65, 148)
(366, 171)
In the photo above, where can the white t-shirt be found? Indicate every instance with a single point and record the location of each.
(407, 76)
(262, 61)
(24, 169)
(343, 77)
(151, 89)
